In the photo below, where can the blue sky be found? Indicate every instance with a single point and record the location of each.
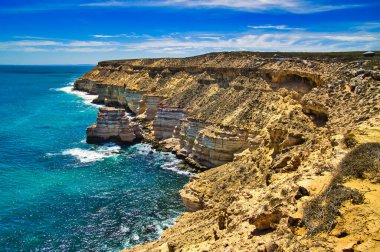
(87, 31)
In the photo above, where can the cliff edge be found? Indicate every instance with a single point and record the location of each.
(272, 132)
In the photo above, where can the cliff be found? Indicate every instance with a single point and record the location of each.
(113, 124)
(273, 128)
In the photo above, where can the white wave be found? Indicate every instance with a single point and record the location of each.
(100, 153)
(124, 229)
(135, 237)
(164, 225)
(84, 156)
(172, 164)
(87, 98)
(145, 149)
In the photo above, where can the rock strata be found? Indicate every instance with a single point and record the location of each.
(166, 121)
(149, 106)
(86, 86)
(273, 128)
(113, 124)
(214, 147)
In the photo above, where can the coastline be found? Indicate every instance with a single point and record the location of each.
(184, 167)
(268, 132)
(101, 196)
(114, 148)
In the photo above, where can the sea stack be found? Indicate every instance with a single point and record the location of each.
(113, 124)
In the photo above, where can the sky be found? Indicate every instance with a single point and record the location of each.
(88, 31)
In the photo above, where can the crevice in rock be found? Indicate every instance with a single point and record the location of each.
(342, 234)
(319, 118)
(222, 222)
(267, 179)
(302, 191)
(291, 82)
(257, 232)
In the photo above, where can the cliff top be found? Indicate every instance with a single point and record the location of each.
(243, 59)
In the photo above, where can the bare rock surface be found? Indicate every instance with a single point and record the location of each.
(113, 124)
(273, 130)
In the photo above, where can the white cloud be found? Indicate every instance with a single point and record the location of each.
(89, 43)
(33, 49)
(87, 49)
(294, 6)
(29, 37)
(274, 27)
(123, 35)
(103, 36)
(367, 26)
(211, 37)
(108, 4)
(35, 43)
(265, 42)
(190, 44)
(352, 38)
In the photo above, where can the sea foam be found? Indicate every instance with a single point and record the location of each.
(87, 98)
(93, 155)
(173, 165)
(170, 161)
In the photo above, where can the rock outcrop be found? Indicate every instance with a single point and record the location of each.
(113, 124)
(273, 128)
(86, 86)
(134, 99)
(166, 121)
(215, 146)
(149, 106)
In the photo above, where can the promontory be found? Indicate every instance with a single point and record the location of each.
(287, 145)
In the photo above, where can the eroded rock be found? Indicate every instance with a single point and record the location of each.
(113, 124)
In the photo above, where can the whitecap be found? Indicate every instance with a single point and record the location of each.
(172, 164)
(124, 229)
(85, 156)
(145, 149)
(87, 98)
(93, 155)
(135, 237)
(160, 227)
(170, 161)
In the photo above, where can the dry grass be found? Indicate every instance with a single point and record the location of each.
(363, 162)
(349, 140)
(320, 213)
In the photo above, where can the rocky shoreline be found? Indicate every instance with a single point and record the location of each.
(167, 128)
(272, 128)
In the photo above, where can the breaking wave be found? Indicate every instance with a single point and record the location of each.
(87, 98)
(93, 155)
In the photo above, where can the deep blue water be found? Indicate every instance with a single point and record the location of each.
(58, 193)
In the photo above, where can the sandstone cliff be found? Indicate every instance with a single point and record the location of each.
(273, 128)
(113, 124)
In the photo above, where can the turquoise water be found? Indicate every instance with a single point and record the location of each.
(58, 193)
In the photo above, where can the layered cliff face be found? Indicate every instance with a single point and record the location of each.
(113, 124)
(272, 128)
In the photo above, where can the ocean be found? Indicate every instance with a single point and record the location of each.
(58, 193)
